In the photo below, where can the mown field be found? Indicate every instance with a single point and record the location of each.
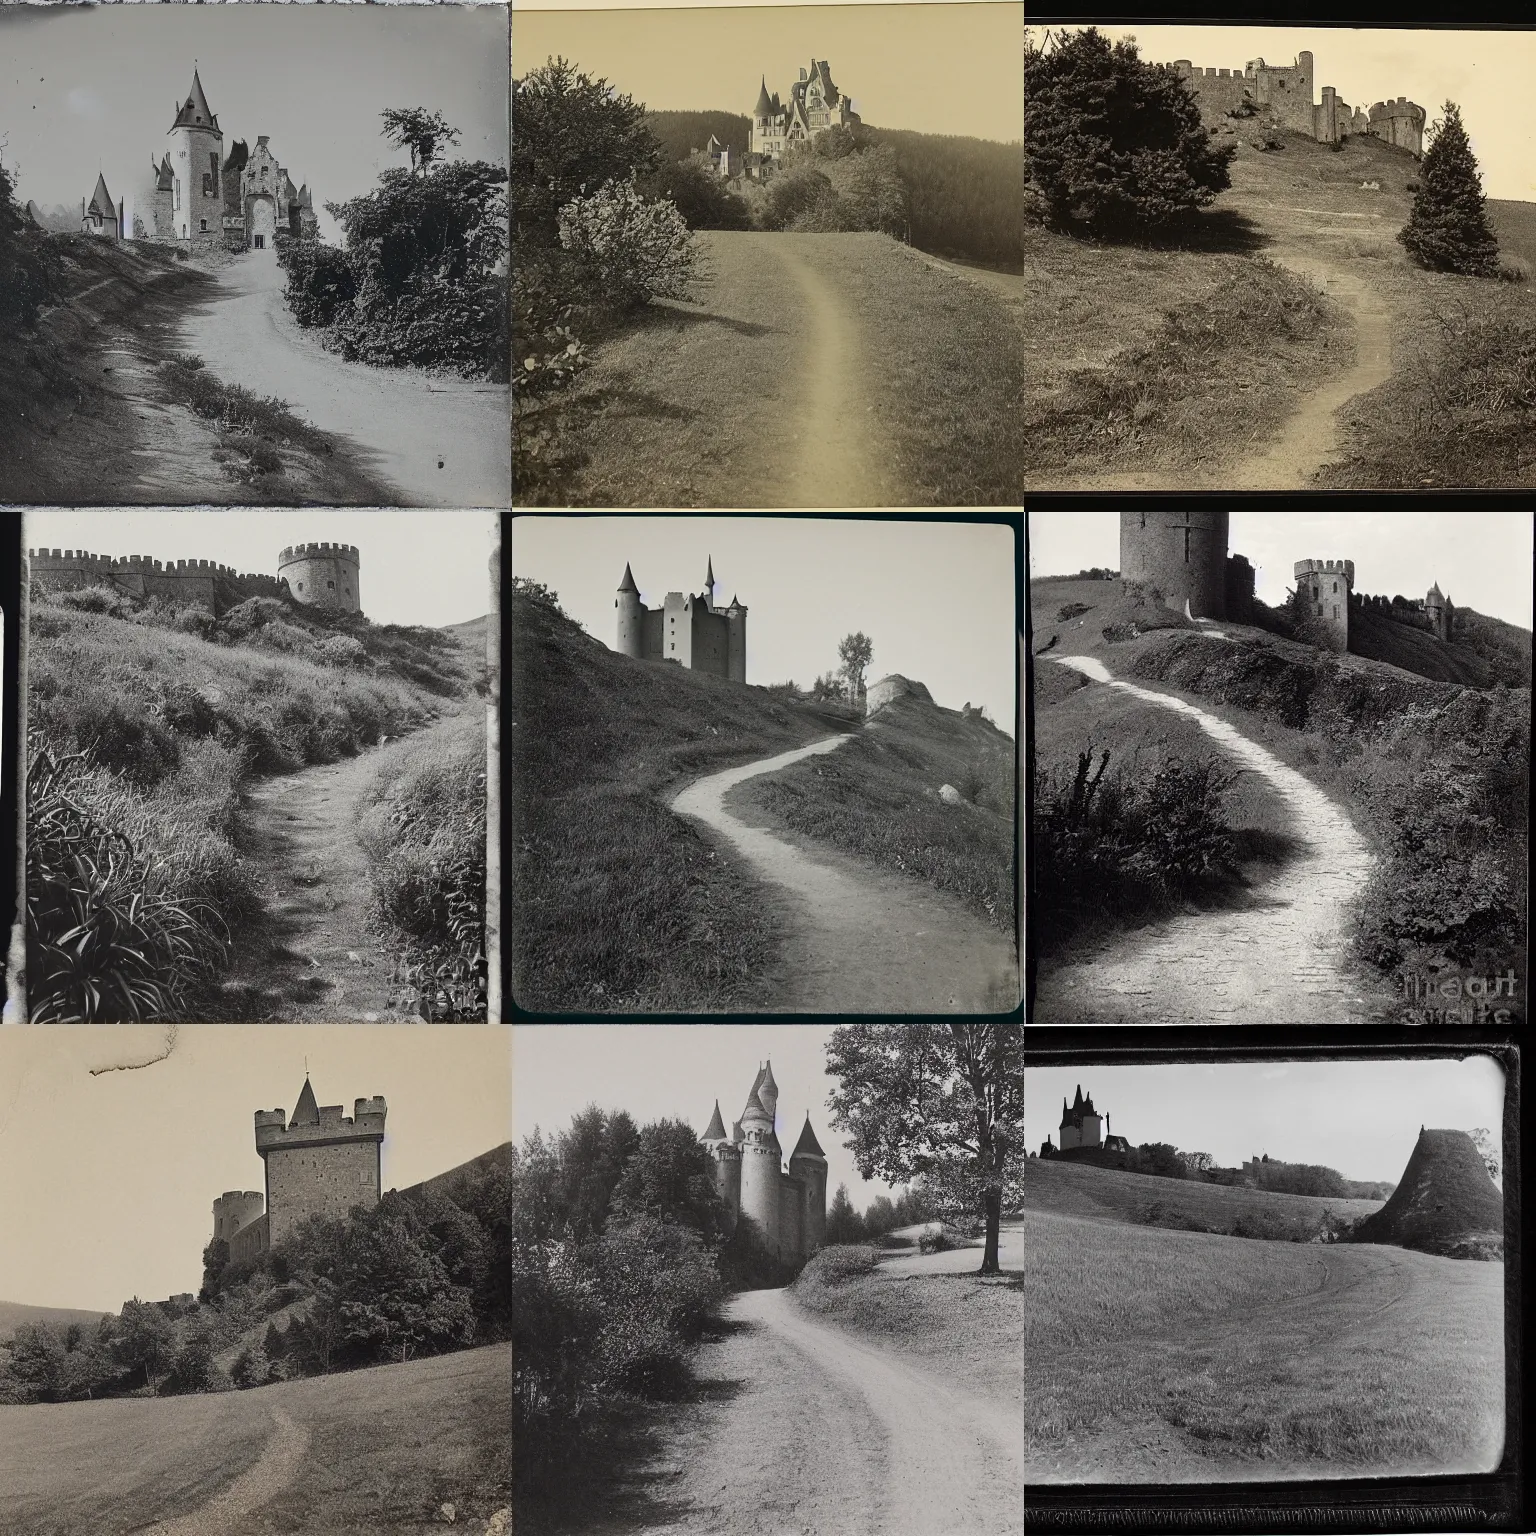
(386, 1448)
(1158, 1356)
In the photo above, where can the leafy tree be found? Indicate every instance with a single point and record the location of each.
(1447, 228)
(1158, 1159)
(215, 1262)
(801, 196)
(698, 193)
(671, 1178)
(37, 1363)
(1113, 145)
(192, 1362)
(920, 1099)
(855, 650)
(28, 269)
(844, 1224)
(627, 250)
(1197, 1162)
(145, 1341)
(870, 189)
(1488, 1150)
(422, 132)
(592, 1156)
(251, 1367)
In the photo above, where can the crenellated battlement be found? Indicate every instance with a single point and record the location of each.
(366, 1123)
(1344, 568)
(300, 551)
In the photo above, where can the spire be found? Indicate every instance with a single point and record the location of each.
(194, 111)
(764, 107)
(101, 200)
(628, 584)
(716, 1131)
(306, 1111)
(807, 1146)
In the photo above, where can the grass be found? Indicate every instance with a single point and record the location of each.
(968, 1328)
(877, 797)
(1255, 1360)
(387, 1447)
(1446, 1203)
(615, 903)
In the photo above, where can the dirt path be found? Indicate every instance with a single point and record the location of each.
(860, 940)
(311, 956)
(225, 1514)
(441, 442)
(1279, 961)
(824, 1434)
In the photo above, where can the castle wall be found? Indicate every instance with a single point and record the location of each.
(651, 642)
(791, 1219)
(324, 1181)
(677, 629)
(711, 642)
(235, 1209)
(728, 1181)
(324, 575)
(1323, 587)
(812, 1175)
(760, 1190)
(1182, 555)
(250, 1241)
(736, 645)
(185, 583)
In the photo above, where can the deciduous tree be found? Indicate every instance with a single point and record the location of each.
(856, 651)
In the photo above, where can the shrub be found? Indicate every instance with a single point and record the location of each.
(629, 250)
(698, 193)
(320, 281)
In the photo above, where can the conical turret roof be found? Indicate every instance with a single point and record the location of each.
(101, 200)
(195, 111)
(709, 575)
(1435, 591)
(628, 584)
(306, 1111)
(165, 177)
(764, 106)
(807, 1145)
(716, 1131)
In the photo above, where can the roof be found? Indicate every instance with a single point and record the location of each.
(306, 1111)
(628, 584)
(239, 153)
(1435, 591)
(195, 111)
(713, 147)
(807, 1145)
(165, 177)
(765, 1080)
(101, 200)
(764, 106)
(716, 1131)
(709, 576)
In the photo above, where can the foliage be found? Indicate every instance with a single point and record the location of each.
(424, 133)
(1488, 1150)
(921, 1101)
(669, 1177)
(698, 192)
(30, 267)
(855, 652)
(836, 183)
(681, 134)
(321, 284)
(627, 249)
(144, 1340)
(1447, 228)
(1114, 146)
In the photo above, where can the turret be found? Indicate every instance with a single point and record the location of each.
(631, 617)
(709, 586)
(760, 1169)
(768, 1091)
(196, 154)
(1322, 593)
(726, 1156)
(808, 1164)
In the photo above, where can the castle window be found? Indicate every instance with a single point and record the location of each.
(1335, 589)
(301, 586)
(1335, 610)
(202, 224)
(1319, 610)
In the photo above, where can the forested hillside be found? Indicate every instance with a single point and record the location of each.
(680, 133)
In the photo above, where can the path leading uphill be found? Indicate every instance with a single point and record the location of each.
(859, 939)
(821, 1432)
(226, 1514)
(441, 442)
(1281, 960)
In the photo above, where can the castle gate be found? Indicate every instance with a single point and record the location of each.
(263, 224)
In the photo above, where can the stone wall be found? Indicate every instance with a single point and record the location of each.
(320, 1181)
(1180, 554)
(186, 583)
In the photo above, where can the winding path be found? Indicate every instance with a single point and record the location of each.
(441, 441)
(225, 1514)
(860, 940)
(1281, 961)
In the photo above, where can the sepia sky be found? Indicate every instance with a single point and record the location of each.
(1486, 73)
(427, 568)
(937, 598)
(677, 1071)
(95, 87)
(1361, 1118)
(1481, 560)
(107, 1183)
(942, 68)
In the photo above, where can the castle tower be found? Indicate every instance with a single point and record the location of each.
(709, 586)
(1182, 555)
(319, 1163)
(767, 1091)
(736, 642)
(760, 1170)
(196, 154)
(1440, 611)
(1322, 596)
(1079, 1124)
(323, 575)
(808, 1164)
(631, 618)
(235, 1209)
(727, 1156)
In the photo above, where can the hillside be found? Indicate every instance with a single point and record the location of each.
(1515, 225)
(680, 133)
(14, 1315)
(615, 904)
(1445, 1202)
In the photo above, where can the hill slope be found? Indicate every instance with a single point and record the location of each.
(1445, 1202)
(15, 1314)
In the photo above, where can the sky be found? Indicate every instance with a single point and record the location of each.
(1482, 560)
(944, 68)
(937, 598)
(429, 568)
(1486, 73)
(88, 88)
(1361, 1118)
(677, 1071)
(107, 1183)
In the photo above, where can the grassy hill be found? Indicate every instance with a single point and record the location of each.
(1446, 1203)
(383, 1450)
(14, 1315)
(1515, 225)
(615, 904)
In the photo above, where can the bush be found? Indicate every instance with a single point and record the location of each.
(30, 265)
(628, 250)
(698, 193)
(320, 281)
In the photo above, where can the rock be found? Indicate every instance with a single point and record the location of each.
(892, 687)
(949, 794)
(500, 1523)
(448, 1513)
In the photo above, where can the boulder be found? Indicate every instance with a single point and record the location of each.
(949, 794)
(894, 686)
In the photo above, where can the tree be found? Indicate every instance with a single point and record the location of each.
(1447, 228)
(215, 1262)
(855, 650)
(1159, 1159)
(671, 1177)
(37, 1363)
(918, 1098)
(1113, 145)
(1483, 1141)
(423, 133)
(844, 1224)
(145, 1341)
(698, 193)
(1197, 1162)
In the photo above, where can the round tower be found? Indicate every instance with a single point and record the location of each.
(1322, 596)
(727, 1159)
(323, 575)
(736, 642)
(196, 155)
(760, 1171)
(1182, 555)
(809, 1164)
(631, 617)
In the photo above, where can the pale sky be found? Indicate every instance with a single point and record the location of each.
(1486, 73)
(945, 68)
(1361, 1118)
(430, 568)
(1481, 560)
(107, 1183)
(936, 597)
(677, 1071)
(88, 88)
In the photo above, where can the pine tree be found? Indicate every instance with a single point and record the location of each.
(1447, 229)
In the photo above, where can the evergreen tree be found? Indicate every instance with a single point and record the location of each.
(1447, 228)
(1113, 145)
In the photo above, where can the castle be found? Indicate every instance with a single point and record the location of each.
(1285, 92)
(1083, 1131)
(789, 1209)
(317, 1164)
(322, 575)
(1181, 558)
(687, 629)
(100, 216)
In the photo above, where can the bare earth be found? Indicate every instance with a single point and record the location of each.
(821, 1433)
(226, 1513)
(441, 442)
(1280, 961)
(860, 939)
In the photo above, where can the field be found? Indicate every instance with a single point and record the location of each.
(1176, 1356)
(382, 1450)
